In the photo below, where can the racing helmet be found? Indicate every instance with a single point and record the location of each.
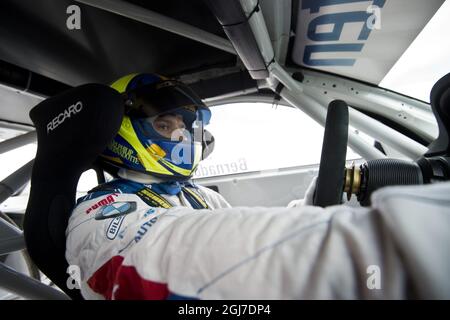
(142, 144)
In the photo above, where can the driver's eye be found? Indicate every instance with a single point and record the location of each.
(162, 126)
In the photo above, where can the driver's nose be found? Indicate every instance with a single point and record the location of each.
(179, 128)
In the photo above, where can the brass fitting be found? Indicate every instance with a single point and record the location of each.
(352, 183)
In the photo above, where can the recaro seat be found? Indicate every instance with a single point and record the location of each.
(73, 128)
(440, 103)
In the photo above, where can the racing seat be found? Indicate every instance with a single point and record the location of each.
(440, 103)
(73, 128)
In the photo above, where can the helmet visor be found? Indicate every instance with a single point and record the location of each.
(170, 125)
(179, 125)
(166, 97)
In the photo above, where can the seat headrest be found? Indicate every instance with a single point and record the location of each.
(75, 126)
(440, 88)
(440, 103)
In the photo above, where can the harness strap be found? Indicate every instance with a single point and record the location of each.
(146, 194)
(195, 199)
(153, 199)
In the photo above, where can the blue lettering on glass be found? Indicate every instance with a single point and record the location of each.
(338, 20)
(350, 47)
(315, 5)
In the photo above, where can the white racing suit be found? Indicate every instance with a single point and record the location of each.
(399, 248)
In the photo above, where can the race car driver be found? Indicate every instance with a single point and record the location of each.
(151, 234)
(160, 144)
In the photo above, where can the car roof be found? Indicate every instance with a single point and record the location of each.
(37, 43)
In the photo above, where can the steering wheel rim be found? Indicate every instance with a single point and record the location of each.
(330, 181)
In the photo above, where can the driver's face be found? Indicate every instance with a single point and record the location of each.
(169, 124)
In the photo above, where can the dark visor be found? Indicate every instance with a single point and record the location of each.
(160, 98)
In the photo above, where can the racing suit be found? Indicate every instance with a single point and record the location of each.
(399, 248)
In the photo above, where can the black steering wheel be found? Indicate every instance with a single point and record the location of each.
(330, 182)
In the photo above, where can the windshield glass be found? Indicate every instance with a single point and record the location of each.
(425, 61)
(264, 137)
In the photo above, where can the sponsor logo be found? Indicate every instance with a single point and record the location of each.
(103, 202)
(215, 169)
(144, 229)
(114, 227)
(60, 118)
(115, 209)
(149, 212)
(123, 152)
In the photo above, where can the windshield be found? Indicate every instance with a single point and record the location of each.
(425, 61)
(264, 138)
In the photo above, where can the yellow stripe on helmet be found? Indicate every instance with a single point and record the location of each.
(179, 170)
(148, 160)
(186, 172)
(157, 150)
(121, 84)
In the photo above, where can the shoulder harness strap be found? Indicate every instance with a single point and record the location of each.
(146, 194)
(195, 198)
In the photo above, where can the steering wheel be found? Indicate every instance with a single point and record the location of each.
(330, 182)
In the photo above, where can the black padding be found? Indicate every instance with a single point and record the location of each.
(380, 173)
(225, 84)
(440, 103)
(235, 23)
(209, 143)
(228, 12)
(330, 182)
(73, 128)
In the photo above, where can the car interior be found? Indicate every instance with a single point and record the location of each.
(332, 60)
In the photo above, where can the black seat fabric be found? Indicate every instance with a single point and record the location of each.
(73, 128)
(440, 102)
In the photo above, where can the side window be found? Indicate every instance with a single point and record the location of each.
(88, 180)
(258, 136)
(16, 158)
(10, 162)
